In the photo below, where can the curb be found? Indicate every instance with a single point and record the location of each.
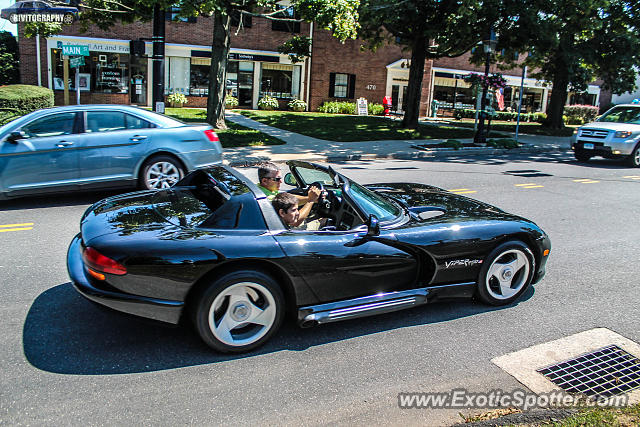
(400, 155)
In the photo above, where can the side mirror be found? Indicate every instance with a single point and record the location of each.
(290, 179)
(16, 135)
(373, 226)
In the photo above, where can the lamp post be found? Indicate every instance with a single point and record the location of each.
(489, 48)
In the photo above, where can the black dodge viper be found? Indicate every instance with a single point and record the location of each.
(212, 250)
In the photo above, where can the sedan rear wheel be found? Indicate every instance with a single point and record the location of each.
(239, 311)
(160, 172)
(506, 273)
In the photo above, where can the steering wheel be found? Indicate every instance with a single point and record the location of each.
(323, 206)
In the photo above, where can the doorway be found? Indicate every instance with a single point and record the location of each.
(138, 85)
(399, 98)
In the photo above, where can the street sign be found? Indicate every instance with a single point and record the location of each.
(76, 61)
(362, 107)
(75, 50)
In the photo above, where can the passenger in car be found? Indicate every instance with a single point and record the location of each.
(286, 205)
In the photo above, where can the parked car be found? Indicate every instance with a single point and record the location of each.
(25, 7)
(89, 146)
(616, 134)
(212, 250)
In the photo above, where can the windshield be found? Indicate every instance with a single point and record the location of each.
(373, 204)
(622, 115)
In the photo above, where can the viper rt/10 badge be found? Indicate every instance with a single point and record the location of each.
(462, 263)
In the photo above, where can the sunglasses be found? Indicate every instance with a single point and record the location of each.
(277, 178)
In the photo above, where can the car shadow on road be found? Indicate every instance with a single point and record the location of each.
(58, 200)
(67, 334)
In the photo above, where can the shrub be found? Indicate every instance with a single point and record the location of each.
(297, 105)
(23, 99)
(507, 143)
(450, 143)
(268, 103)
(231, 101)
(177, 99)
(578, 114)
(335, 107)
(375, 109)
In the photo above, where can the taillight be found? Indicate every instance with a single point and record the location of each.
(96, 261)
(211, 135)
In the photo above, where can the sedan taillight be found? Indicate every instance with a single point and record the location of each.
(96, 261)
(211, 135)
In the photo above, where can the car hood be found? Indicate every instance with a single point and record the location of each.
(427, 202)
(125, 214)
(611, 126)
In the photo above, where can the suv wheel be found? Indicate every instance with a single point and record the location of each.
(634, 158)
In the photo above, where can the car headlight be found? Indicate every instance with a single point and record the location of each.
(622, 134)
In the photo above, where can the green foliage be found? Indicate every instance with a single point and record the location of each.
(507, 143)
(231, 101)
(297, 47)
(450, 143)
(45, 29)
(459, 114)
(23, 99)
(9, 64)
(268, 103)
(297, 105)
(344, 107)
(579, 114)
(177, 98)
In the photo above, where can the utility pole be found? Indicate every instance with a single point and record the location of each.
(158, 59)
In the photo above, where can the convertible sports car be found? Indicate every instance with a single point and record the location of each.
(213, 250)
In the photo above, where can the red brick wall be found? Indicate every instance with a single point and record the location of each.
(28, 63)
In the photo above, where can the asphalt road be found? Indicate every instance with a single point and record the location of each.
(65, 361)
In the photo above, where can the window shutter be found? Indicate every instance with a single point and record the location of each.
(352, 86)
(332, 84)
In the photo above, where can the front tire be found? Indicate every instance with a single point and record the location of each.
(581, 156)
(634, 158)
(13, 18)
(68, 18)
(160, 172)
(506, 273)
(239, 311)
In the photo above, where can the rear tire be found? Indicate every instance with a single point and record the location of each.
(239, 311)
(634, 158)
(581, 156)
(160, 172)
(506, 273)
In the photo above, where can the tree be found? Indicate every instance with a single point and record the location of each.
(338, 16)
(9, 65)
(572, 42)
(430, 29)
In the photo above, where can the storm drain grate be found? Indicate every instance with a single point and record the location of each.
(607, 371)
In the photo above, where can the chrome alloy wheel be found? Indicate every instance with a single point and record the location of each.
(508, 274)
(162, 175)
(242, 314)
(635, 157)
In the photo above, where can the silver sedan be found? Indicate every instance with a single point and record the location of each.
(95, 146)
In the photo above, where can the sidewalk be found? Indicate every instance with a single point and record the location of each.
(301, 147)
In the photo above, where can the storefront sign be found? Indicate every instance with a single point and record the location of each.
(94, 47)
(362, 107)
(75, 50)
(237, 56)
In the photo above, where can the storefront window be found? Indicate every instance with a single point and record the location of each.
(102, 72)
(199, 84)
(280, 80)
(232, 78)
(451, 91)
(176, 74)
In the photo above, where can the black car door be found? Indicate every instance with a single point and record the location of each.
(340, 265)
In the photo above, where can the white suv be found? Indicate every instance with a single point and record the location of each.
(616, 134)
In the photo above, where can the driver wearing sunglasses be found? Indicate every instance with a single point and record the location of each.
(270, 178)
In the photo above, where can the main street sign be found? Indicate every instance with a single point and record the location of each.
(75, 50)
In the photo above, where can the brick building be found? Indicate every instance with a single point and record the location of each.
(334, 71)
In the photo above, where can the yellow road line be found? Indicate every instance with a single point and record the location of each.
(589, 182)
(15, 229)
(582, 180)
(522, 185)
(459, 189)
(464, 192)
(632, 176)
(530, 185)
(16, 225)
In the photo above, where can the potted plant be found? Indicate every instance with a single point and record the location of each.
(268, 103)
(230, 102)
(177, 99)
(297, 105)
